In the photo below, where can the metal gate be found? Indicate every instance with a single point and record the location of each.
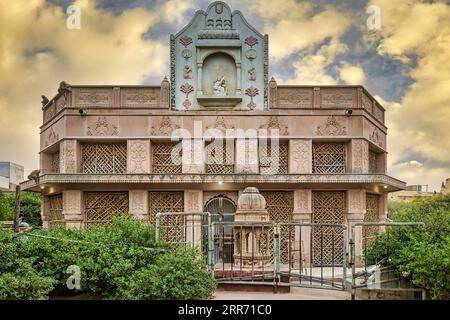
(316, 255)
(221, 209)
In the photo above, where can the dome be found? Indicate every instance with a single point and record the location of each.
(251, 199)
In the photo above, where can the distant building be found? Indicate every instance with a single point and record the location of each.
(410, 193)
(11, 174)
(445, 187)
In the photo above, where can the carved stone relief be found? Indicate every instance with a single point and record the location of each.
(274, 122)
(360, 156)
(68, 156)
(165, 127)
(52, 137)
(331, 127)
(220, 124)
(102, 127)
(296, 98)
(139, 156)
(300, 160)
(339, 98)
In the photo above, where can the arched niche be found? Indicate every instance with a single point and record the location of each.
(219, 75)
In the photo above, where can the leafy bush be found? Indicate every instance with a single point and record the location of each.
(114, 259)
(6, 213)
(420, 253)
(18, 278)
(177, 276)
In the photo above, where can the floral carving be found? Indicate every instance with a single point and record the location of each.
(86, 98)
(137, 202)
(140, 98)
(360, 156)
(165, 127)
(138, 155)
(376, 138)
(186, 88)
(220, 124)
(185, 41)
(67, 156)
(331, 128)
(338, 98)
(51, 138)
(252, 92)
(102, 128)
(296, 98)
(301, 156)
(251, 41)
(275, 123)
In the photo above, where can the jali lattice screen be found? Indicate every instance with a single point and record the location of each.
(329, 157)
(327, 242)
(265, 159)
(55, 163)
(280, 205)
(104, 158)
(55, 210)
(220, 157)
(172, 227)
(101, 207)
(372, 215)
(166, 158)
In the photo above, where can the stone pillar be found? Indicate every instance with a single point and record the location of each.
(193, 156)
(45, 162)
(45, 211)
(247, 156)
(138, 156)
(356, 204)
(72, 209)
(193, 203)
(383, 205)
(69, 156)
(138, 203)
(300, 156)
(359, 156)
(303, 213)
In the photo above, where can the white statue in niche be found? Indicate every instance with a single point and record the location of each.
(219, 87)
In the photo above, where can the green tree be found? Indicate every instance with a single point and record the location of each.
(420, 253)
(30, 207)
(6, 213)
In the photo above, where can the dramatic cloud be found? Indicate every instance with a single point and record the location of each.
(352, 74)
(38, 51)
(419, 123)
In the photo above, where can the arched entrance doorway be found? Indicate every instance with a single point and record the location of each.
(222, 209)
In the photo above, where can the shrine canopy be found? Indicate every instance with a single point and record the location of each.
(219, 62)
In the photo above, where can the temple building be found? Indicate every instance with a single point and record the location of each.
(217, 126)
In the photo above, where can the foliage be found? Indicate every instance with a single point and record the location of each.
(18, 278)
(6, 213)
(420, 253)
(30, 207)
(177, 276)
(114, 260)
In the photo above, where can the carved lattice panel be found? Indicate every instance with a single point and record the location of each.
(55, 162)
(101, 207)
(280, 205)
(55, 210)
(372, 162)
(220, 159)
(104, 158)
(172, 226)
(372, 215)
(265, 161)
(327, 242)
(329, 157)
(162, 159)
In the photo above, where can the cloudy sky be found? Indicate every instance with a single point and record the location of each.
(405, 64)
